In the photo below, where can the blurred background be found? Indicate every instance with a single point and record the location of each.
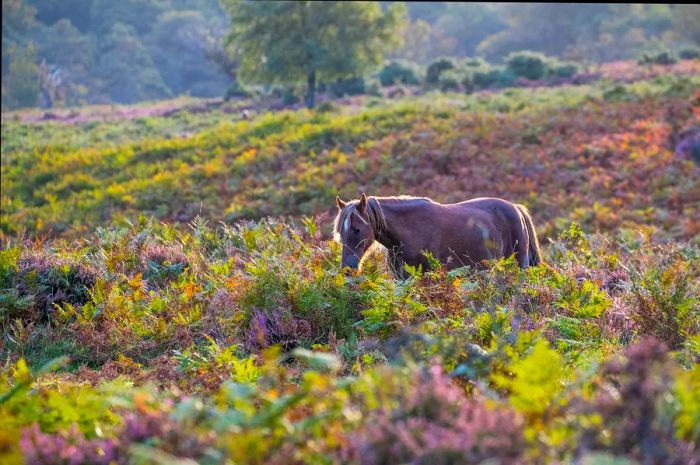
(76, 52)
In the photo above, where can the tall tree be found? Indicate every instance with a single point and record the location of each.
(126, 69)
(63, 49)
(178, 44)
(552, 28)
(423, 43)
(468, 24)
(687, 22)
(287, 42)
(20, 73)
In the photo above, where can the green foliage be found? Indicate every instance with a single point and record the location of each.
(689, 53)
(527, 64)
(536, 379)
(21, 83)
(666, 302)
(562, 70)
(449, 81)
(348, 87)
(237, 90)
(176, 43)
(305, 44)
(127, 70)
(399, 72)
(597, 32)
(72, 54)
(436, 68)
(688, 395)
(660, 58)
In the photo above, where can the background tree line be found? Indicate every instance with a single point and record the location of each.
(75, 52)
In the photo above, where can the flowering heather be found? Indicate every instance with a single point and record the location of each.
(434, 423)
(39, 281)
(69, 448)
(629, 398)
(278, 327)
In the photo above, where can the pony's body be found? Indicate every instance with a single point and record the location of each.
(459, 234)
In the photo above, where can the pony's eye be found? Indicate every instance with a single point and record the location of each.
(356, 230)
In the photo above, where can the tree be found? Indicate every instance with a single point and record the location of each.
(21, 83)
(687, 22)
(178, 43)
(423, 42)
(468, 24)
(286, 42)
(551, 28)
(71, 54)
(49, 12)
(20, 73)
(127, 71)
(139, 14)
(18, 20)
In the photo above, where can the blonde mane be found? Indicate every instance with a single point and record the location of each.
(373, 212)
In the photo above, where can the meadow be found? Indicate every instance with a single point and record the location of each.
(170, 292)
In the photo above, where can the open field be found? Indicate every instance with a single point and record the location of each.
(170, 294)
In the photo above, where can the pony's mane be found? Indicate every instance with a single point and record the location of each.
(373, 210)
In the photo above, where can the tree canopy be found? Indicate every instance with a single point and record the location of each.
(287, 42)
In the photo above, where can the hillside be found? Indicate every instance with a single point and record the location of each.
(600, 154)
(170, 293)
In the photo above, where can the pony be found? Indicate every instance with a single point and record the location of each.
(457, 234)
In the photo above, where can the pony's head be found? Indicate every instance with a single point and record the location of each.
(356, 227)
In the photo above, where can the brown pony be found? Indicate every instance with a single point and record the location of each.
(458, 234)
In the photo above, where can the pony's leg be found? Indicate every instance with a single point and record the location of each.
(522, 245)
(397, 264)
(522, 253)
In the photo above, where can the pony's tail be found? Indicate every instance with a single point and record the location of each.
(534, 253)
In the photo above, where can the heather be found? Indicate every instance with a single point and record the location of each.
(170, 293)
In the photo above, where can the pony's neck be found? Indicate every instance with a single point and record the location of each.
(394, 211)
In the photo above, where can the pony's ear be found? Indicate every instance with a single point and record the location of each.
(363, 203)
(339, 203)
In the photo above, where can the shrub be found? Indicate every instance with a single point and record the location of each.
(468, 82)
(628, 401)
(436, 68)
(326, 107)
(505, 77)
(276, 327)
(563, 70)
(435, 423)
(236, 90)
(373, 87)
(475, 62)
(527, 64)
(289, 96)
(689, 53)
(485, 77)
(39, 281)
(399, 72)
(449, 81)
(350, 86)
(665, 302)
(70, 447)
(497, 76)
(659, 58)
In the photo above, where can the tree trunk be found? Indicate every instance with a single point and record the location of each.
(311, 90)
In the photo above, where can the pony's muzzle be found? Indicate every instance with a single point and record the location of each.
(352, 262)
